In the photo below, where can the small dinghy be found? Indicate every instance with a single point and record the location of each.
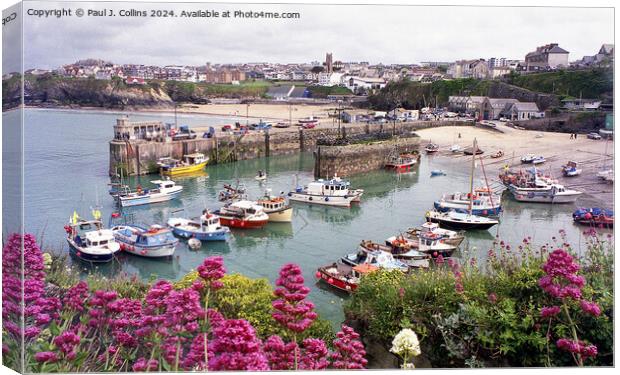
(261, 176)
(194, 243)
(206, 228)
(497, 154)
(570, 169)
(595, 217)
(437, 172)
(431, 148)
(455, 148)
(538, 160)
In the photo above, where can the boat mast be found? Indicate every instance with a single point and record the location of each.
(471, 177)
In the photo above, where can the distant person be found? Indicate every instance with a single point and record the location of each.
(571, 135)
(575, 135)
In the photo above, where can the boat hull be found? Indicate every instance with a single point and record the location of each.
(460, 225)
(177, 171)
(464, 208)
(220, 235)
(338, 201)
(596, 223)
(336, 282)
(540, 197)
(148, 199)
(147, 252)
(79, 252)
(233, 222)
(281, 216)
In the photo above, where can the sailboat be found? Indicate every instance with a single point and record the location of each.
(460, 220)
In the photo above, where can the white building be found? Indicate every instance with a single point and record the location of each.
(354, 83)
(330, 79)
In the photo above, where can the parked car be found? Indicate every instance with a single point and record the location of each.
(184, 132)
(210, 133)
(282, 125)
(594, 136)
(227, 128)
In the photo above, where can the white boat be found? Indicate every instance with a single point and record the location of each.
(165, 191)
(449, 236)
(538, 160)
(261, 176)
(377, 258)
(90, 242)
(206, 228)
(334, 192)
(455, 148)
(544, 192)
(604, 174)
(411, 257)
(276, 207)
(527, 159)
(483, 202)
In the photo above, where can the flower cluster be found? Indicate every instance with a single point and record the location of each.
(458, 275)
(292, 309)
(236, 347)
(350, 351)
(577, 347)
(211, 271)
(406, 343)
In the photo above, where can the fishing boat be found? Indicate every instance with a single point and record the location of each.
(207, 228)
(594, 217)
(570, 169)
(378, 258)
(150, 242)
(334, 192)
(276, 207)
(344, 276)
(483, 202)
(458, 220)
(89, 241)
(544, 192)
(449, 236)
(261, 176)
(401, 162)
(308, 122)
(538, 160)
(497, 154)
(166, 161)
(408, 255)
(437, 172)
(191, 163)
(431, 148)
(231, 194)
(524, 178)
(165, 191)
(243, 214)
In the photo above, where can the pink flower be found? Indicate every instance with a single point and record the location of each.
(561, 279)
(236, 348)
(46, 357)
(548, 312)
(66, 342)
(492, 297)
(280, 355)
(590, 308)
(142, 365)
(77, 296)
(211, 271)
(350, 351)
(292, 310)
(314, 356)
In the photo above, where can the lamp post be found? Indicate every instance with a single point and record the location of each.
(247, 113)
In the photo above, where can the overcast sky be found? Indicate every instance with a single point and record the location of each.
(387, 34)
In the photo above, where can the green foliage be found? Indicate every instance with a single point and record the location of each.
(495, 320)
(592, 83)
(250, 299)
(320, 92)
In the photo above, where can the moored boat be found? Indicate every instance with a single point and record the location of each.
(207, 228)
(483, 202)
(431, 148)
(449, 236)
(191, 163)
(166, 190)
(378, 258)
(437, 172)
(570, 169)
(458, 220)
(595, 217)
(276, 207)
(243, 214)
(402, 161)
(152, 242)
(406, 254)
(231, 194)
(344, 276)
(89, 241)
(497, 154)
(544, 192)
(334, 192)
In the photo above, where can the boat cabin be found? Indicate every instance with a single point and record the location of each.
(334, 187)
(195, 158)
(363, 269)
(273, 203)
(98, 238)
(163, 184)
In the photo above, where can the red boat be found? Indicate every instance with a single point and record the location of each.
(594, 217)
(243, 214)
(402, 162)
(343, 276)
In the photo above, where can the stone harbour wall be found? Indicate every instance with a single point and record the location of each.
(359, 158)
(139, 157)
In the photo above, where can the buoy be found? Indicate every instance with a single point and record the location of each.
(326, 199)
(330, 280)
(435, 254)
(317, 274)
(194, 243)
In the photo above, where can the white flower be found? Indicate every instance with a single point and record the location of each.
(406, 343)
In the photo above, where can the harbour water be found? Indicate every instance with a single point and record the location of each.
(66, 169)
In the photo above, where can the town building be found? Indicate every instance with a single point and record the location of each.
(549, 56)
(494, 108)
(521, 111)
(581, 104)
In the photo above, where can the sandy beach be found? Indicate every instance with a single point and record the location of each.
(272, 112)
(557, 148)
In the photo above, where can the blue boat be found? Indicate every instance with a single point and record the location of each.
(207, 228)
(153, 242)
